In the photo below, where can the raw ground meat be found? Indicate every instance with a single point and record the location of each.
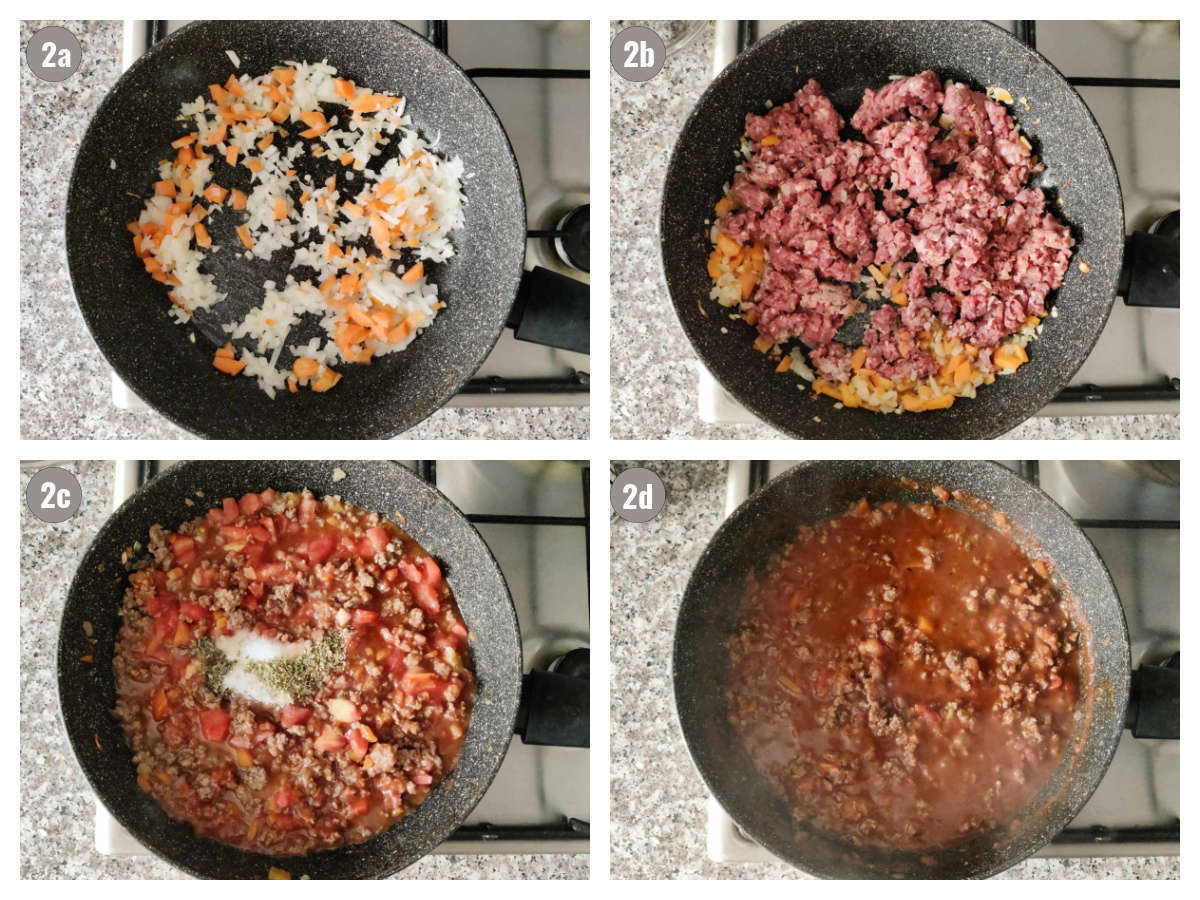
(937, 191)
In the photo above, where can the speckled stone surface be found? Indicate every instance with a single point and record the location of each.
(658, 801)
(662, 401)
(72, 398)
(57, 806)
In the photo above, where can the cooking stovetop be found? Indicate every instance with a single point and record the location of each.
(1130, 511)
(533, 516)
(535, 76)
(1135, 366)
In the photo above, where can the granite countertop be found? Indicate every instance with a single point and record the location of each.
(662, 402)
(72, 398)
(57, 806)
(658, 800)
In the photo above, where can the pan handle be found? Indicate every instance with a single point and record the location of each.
(1150, 272)
(552, 309)
(555, 705)
(1153, 710)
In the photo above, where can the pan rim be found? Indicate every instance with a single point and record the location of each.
(509, 692)
(794, 427)
(367, 428)
(734, 523)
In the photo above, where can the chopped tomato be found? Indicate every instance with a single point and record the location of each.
(364, 617)
(256, 588)
(184, 549)
(431, 571)
(320, 547)
(214, 724)
(268, 496)
(194, 612)
(330, 740)
(410, 572)
(229, 511)
(359, 745)
(378, 537)
(391, 575)
(294, 715)
(162, 603)
(422, 778)
(426, 597)
(259, 533)
(250, 504)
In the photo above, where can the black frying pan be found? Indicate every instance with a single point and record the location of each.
(126, 311)
(847, 57)
(813, 492)
(87, 691)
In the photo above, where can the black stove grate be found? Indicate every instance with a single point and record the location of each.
(438, 33)
(567, 828)
(1136, 834)
(1166, 389)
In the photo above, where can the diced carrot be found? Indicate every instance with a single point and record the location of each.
(280, 113)
(266, 142)
(762, 344)
(217, 135)
(859, 358)
(165, 188)
(243, 232)
(327, 379)
(227, 350)
(369, 103)
(770, 140)
(344, 88)
(215, 193)
(727, 245)
(280, 208)
(715, 262)
(334, 251)
(234, 86)
(185, 157)
(726, 204)
(254, 165)
(359, 317)
(784, 364)
(399, 333)
(353, 208)
(316, 122)
(202, 237)
(219, 94)
(292, 386)
(231, 153)
(228, 365)
(238, 198)
(284, 76)
(304, 367)
(183, 141)
(380, 234)
(414, 273)
(346, 159)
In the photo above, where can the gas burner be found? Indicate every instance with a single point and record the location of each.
(574, 241)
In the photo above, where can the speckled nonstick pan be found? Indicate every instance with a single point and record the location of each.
(811, 493)
(847, 57)
(126, 311)
(87, 691)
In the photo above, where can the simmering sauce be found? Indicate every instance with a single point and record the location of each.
(905, 675)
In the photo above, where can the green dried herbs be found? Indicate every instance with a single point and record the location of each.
(301, 678)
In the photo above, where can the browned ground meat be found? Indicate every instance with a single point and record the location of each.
(936, 191)
(904, 675)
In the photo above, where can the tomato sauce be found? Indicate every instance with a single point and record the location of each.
(905, 675)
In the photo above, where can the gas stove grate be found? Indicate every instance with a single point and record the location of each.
(1026, 32)
(567, 828)
(438, 33)
(1137, 834)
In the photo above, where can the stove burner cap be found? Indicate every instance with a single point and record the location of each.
(574, 245)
